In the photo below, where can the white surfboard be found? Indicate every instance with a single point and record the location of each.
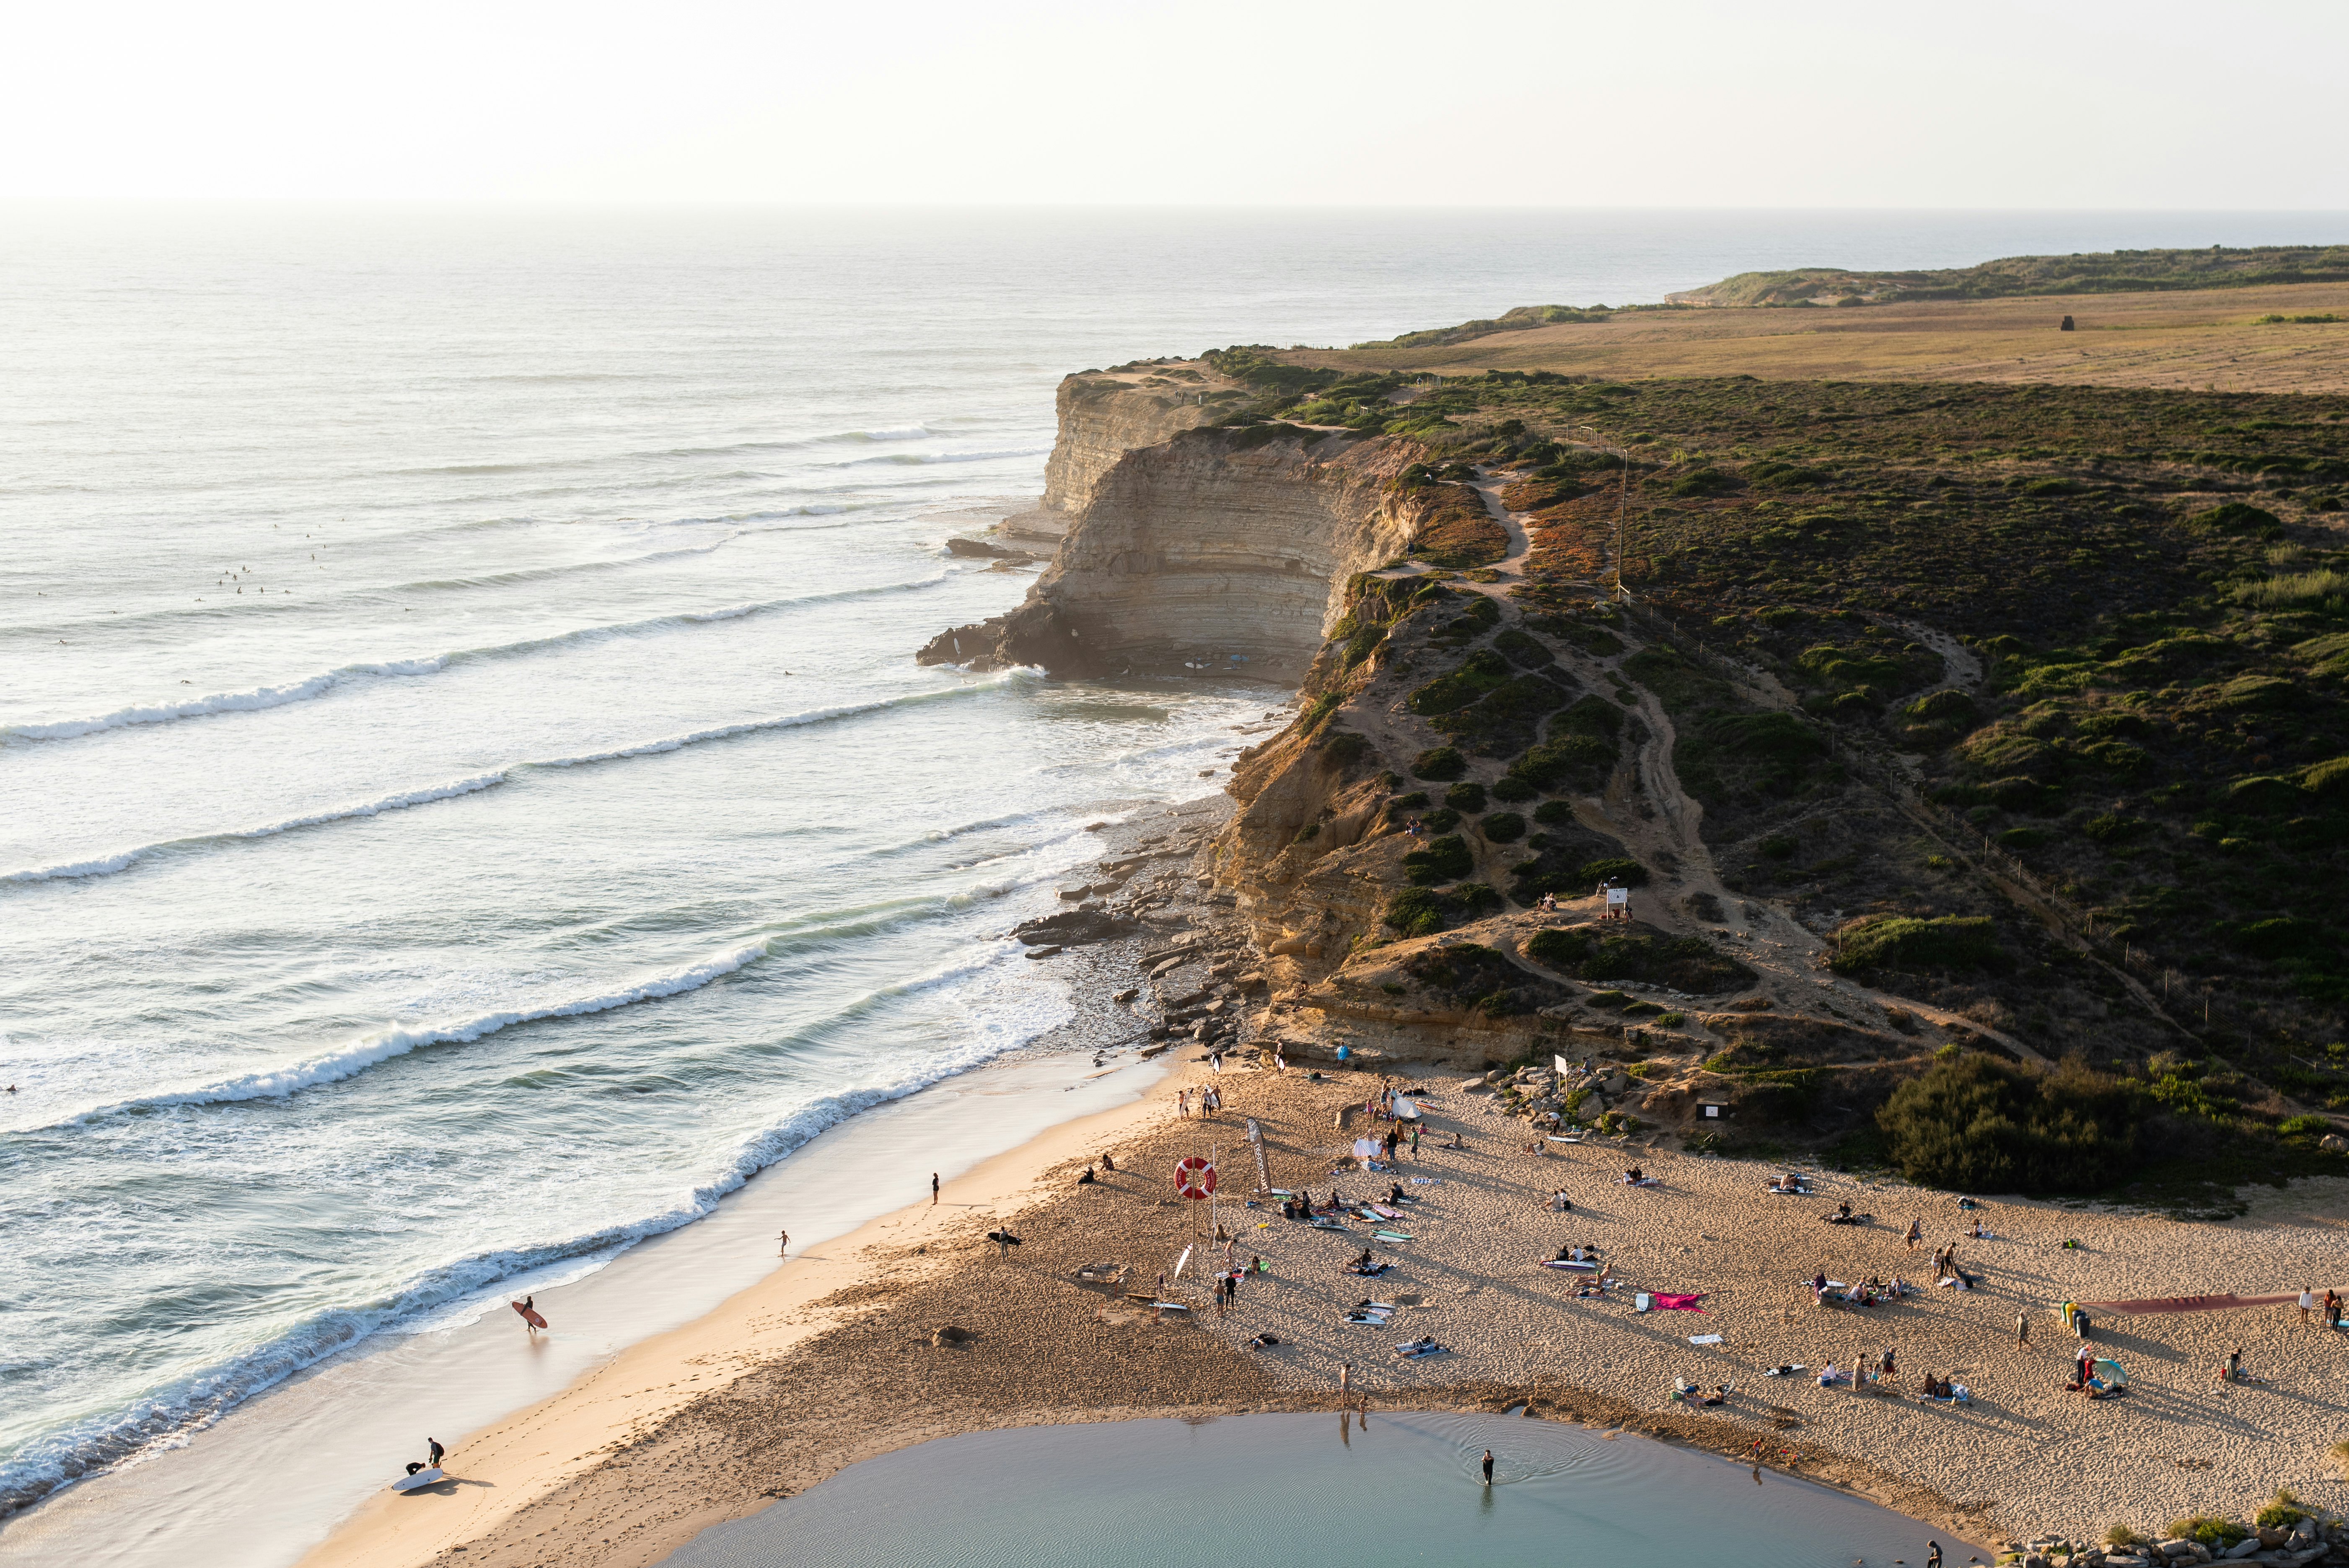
(424, 1477)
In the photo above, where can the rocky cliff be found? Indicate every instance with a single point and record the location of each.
(1102, 416)
(1216, 549)
(1470, 744)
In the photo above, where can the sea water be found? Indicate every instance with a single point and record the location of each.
(466, 799)
(1311, 1490)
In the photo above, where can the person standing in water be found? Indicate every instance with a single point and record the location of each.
(782, 1242)
(933, 1189)
(1488, 1467)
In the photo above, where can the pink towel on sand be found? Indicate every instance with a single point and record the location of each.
(1678, 1303)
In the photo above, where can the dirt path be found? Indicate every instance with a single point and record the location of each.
(1662, 826)
(1521, 544)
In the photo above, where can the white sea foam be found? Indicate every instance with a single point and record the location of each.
(455, 1292)
(425, 795)
(320, 684)
(251, 701)
(348, 1061)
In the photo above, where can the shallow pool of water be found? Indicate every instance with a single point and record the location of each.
(1306, 1490)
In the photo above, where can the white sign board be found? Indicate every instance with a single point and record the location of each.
(1616, 895)
(1562, 1064)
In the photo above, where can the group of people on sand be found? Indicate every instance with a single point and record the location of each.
(1869, 1292)
(1201, 1102)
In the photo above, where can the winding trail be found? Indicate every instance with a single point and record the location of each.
(1661, 825)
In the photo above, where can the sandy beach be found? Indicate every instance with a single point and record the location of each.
(833, 1358)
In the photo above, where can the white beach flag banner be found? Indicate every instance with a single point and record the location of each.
(1405, 1108)
(1181, 1263)
(1255, 1141)
(1364, 1149)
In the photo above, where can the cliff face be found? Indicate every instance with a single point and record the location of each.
(1102, 416)
(1215, 549)
(1245, 551)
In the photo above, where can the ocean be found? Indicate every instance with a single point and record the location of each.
(466, 799)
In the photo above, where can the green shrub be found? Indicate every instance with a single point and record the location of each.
(1706, 481)
(1555, 814)
(2304, 1127)
(1439, 763)
(2112, 828)
(1415, 912)
(1523, 650)
(2283, 1510)
(2208, 1528)
(1616, 869)
(1445, 860)
(1473, 900)
(1503, 828)
(1442, 819)
(2236, 517)
(1899, 942)
(1952, 708)
(1593, 716)
(2295, 588)
(1569, 759)
(2120, 1537)
(1344, 748)
(1777, 847)
(1414, 801)
(1467, 797)
(1682, 963)
(1482, 672)
(1513, 788)
(1976, 1123)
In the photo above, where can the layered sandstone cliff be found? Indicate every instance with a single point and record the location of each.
(1102, 416)
(1216, 549)
(1263, 552)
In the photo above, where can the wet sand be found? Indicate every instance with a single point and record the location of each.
(279, 1472)
(816, 1368)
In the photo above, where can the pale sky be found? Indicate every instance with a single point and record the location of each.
(1667, 103)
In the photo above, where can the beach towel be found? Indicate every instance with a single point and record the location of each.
(1680, 1303)
(1704, 1339)
(2189, 1303)
(1425, 1180)
(1383, 1212)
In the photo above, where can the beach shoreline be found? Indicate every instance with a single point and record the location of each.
(343, 1424)
(796, 1384)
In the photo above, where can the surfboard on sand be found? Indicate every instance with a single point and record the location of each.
(529, 1315)
(425, 1477)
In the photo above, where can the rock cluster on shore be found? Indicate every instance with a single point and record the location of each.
(2302, 1537)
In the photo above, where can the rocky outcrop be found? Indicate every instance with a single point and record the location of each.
(1215, 550)
(1105, 415)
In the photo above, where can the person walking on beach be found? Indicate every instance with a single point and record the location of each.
(2023, 1328)
(782, 1242)
(1414, 1141)
(2307, 1303)
(933, 1189)
(1346, 1385)
(1933, 1554)
(1488, 1467)
(1916, 1234)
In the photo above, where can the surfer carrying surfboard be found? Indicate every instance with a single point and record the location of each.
(527, 1310)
